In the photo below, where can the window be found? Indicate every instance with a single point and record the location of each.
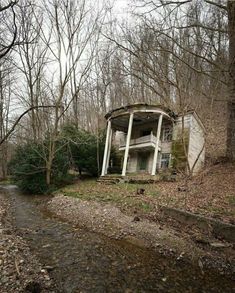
(165, 161)
(167, 134)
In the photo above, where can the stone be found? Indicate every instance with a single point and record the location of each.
(219, 245)
(140, 191)
(46, 245)
(136, 219)
(49, 268)
(202, 241)
(182, 188)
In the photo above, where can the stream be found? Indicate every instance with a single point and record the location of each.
(83, 261)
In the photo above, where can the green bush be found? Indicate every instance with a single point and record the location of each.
(74, 148)
(28, 168)
(87, 150)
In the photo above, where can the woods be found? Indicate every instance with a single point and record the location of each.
(65, 62)
(117, 145)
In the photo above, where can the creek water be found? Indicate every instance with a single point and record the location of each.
(83, 261)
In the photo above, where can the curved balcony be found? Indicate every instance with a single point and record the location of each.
(147, 141)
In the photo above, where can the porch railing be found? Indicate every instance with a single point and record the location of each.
(140, 140)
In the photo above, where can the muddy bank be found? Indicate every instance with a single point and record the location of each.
(83, 261)
(207, 225)
(20, 270)
(110, 221)
(79, 260)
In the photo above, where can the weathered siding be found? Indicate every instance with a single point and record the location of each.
(196, 143)
(195, 140)
(150, 161)
(137, 130)
(119, 136)
(166, 147)
(132, 164)
(195, 133)
(177, 130)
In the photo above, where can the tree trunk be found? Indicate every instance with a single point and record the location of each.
(4, 160)
(231, 100)
(48, 176)
(48, 170)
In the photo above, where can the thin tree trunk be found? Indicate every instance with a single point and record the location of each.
(231, 100)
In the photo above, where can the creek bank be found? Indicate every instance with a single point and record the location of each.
(20, 270)
(108, 220)
(218, 228)
(79, 260)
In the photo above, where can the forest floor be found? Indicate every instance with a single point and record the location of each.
(110, 221)
(212, 193)
(118, 211)
(20, 270)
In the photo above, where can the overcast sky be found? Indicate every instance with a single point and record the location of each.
(121, 8)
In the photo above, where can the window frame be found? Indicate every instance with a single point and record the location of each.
(166, 160)
(167, 134)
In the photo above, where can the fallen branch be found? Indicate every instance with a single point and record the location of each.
(17, 267)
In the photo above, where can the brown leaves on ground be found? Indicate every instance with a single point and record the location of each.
(211, 193)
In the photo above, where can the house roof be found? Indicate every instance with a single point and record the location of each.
(138, 107)
(144, 113)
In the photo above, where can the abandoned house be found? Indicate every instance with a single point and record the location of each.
(152, 138)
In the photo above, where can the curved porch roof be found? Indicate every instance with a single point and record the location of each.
(143, 113)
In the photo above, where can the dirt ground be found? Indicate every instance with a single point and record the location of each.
(20, 271)
(211, 193)
(110, 221)
(118, 211)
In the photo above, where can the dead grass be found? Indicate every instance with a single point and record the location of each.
(211, 193)
(122, 195)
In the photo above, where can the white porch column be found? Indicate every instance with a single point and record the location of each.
(159, 126)
(109, 151)
(106, 148)
(127, 144)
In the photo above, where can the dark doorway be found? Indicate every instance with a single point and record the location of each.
(143, 161)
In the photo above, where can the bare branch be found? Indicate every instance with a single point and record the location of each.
(216, 4)
(19, 118)
(10, 4)
(9, 47)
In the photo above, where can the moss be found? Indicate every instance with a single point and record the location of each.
(146, 207)
(231, 200)
(6, 181)
(123, 195)
(179, 159)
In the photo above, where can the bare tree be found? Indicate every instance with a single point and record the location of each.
(231, 103)
(5, 98)
(75, 33)
(211, 29)
(8, 32)
(33, 61)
